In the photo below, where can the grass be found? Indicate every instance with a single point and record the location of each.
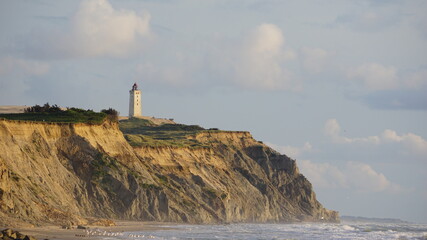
(67, 116)
(163, 180)
(146, 127)
(103, 166)
(149, 186)
(212, 193)
(142, 132)
(100, 165)
(139, 140)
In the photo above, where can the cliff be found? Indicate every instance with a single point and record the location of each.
(65, 173)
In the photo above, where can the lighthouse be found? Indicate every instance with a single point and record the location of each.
(135, 103)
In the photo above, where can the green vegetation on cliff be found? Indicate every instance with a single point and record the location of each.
(47, 113)
(141, 132)
(68, 116)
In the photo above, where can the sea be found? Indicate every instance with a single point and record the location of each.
(301, 231)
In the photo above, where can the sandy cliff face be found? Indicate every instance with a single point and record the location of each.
(62, 173)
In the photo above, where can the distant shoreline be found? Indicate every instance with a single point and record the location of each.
(368, 219)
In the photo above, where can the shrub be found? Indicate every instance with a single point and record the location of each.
(47, 113)
(112, 114)
(45, 108)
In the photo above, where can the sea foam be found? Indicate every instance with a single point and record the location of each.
(308, 231)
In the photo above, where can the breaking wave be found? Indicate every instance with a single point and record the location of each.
(303, 231)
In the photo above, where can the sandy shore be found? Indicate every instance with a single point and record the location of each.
(56, 233)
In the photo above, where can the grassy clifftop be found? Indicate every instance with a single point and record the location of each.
(142, 132)
(137, 131)
(67, 116)
(54, 113)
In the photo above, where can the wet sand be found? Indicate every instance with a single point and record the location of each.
(96, 232)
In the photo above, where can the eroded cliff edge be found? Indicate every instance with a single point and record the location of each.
(64, 173)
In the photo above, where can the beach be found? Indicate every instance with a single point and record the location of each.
(252, 231)
(53, 232)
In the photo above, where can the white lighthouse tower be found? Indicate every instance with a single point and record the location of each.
(135, 104)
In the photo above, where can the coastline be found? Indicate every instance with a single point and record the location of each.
(54, 232)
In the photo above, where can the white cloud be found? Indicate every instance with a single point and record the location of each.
(412, 142)
(357, 176)
(267, 39)
(98, 29)
(323, 175)
(291, 151)
(314, 59)
(95, 30)
(390, 135)
(375, 76)
(364, 178)
(333, 130)
(387, 88)
(261, 61)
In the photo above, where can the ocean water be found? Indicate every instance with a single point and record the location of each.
(305, 231)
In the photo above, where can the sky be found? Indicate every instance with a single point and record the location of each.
(338, 85)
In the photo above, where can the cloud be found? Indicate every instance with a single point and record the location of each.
(333, 130)
(97, 29)
(363, 177)
(412, 142)
(323, 175)
(357, 176)
(314, 59)
(387, 89)
(375, 76)
(291, 151)
(261, 60)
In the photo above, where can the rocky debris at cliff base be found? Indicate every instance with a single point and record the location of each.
(99, 222)
(9, 234)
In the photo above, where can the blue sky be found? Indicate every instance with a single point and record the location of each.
(338, 85)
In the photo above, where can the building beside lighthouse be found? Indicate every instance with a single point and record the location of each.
(135, 103)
